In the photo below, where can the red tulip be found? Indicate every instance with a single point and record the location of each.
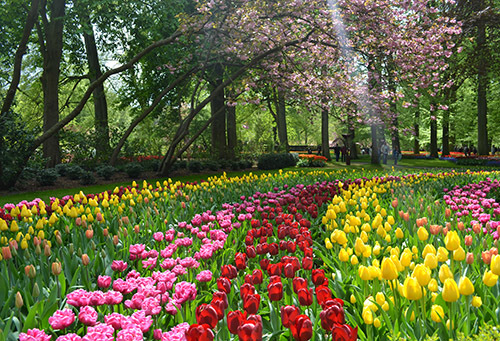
(291, 246)
(234, 320)
(273, 249)
(274, 269)
(307, 263)
(250, 331)
(308, 252)
(207, 314)
(240, 259)
(224, 284)
(251, 303)
(289, 271)
(332, 315)
(299, 283)
(275, 291)
(318, 276)
(257, 276)
(344, 332)
(301, 328)
(248, 278)
(221, 295)
(323, 294)
(229, 271)
(288, 315)
(283, 244)
(199, 333)
(251, 253)
(245, 289)
(249, 240)
(264, 263)
(305, 297)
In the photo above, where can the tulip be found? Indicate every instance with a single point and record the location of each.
(437, 313)
(444, 273)
(433, 285)
(495, 265)
(442, 254)
(364, 273)
(305, 297)
(206, 314)
(234, 320)
(452, 240)
(275, 291)
(251, 303)
(6, 254)
(412, 289)
(465, 286)
(422, 274)
(489, 278)
(332, 315)
(85, 259)
(459, 254)
(19, 300)
(343, 255)
(450, 290)
(288, 315)
(422, 233)
(476, 301)
(250, 330)
(240, 260)
(56, 268)
(302, 328)
(198, 332)
(469, 259)
(389, 270)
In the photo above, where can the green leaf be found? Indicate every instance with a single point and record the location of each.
(29, 322)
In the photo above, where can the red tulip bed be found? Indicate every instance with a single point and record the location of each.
(247, 272)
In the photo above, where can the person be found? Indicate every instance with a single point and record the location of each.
(319, 150)
(395, 155)
(337, 152)
(342, 153)
(384, 151)
(466, 151)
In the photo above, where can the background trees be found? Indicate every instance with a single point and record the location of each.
(93, 80)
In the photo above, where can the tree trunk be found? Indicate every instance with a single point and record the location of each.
(231, 132)
(325, 141)
(102, 146)
(281, 122)
(352, 146)
(375, 145)
(52, 52)
(434, 146)
(446, 133)
(416, 127)
(219, 123)
(482, 85)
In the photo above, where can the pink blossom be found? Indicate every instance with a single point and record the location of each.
(114, 320)
(184, 291)
(103, 281)
(78, 298)
(34, 335)
(204, 276)
(118, 266)
(149, 263)
(113, 297)
(132, 333)
(99, 332)
(88, 316)
(136, 250)
(158, 236)
(62, 319)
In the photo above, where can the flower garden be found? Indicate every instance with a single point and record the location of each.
(282, 256)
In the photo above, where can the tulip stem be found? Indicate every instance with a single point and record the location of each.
(467, 303)
(452, 322)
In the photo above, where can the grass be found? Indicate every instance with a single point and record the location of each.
(361, 164)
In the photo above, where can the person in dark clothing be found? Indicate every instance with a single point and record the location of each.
(342, 153)
(337, 152)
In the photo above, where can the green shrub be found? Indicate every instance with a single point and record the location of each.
(133, 170)
(106, 171)
(276, 161)
(195, 166)
(47, 177)
(246, 163)
(317, 163)
(211, 165)
(181, 164)
(303, 163)
(235, 165)
(87, 178)
(152, 165)
(74, 172)
(62, 168)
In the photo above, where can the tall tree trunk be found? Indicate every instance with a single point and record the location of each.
(231, 132)
(375, 145)
(446, 133)
(52, 52)
(219, 123)
(325, 141)
(352, 147)
(281, 121)
(482, 85)
(102, 146)
(416, 127)
(434, 146)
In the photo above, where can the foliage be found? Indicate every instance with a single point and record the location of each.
(211, 165)
(105, 171)
(47, 177)
(87, 178)
(195, 166)
(72, 171)
(276, 161)
(133, 170)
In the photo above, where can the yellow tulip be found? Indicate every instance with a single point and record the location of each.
(412, 289)
(359, 246)
(459, 254)
(477, 301)
(380, 298)
(442, 254)
(489, 278)
(389, 270)
(399, 233)
(354, 260)
(412, 316)
(428, 249)
(364, 273)
(452, 240)
(422, 233)
(437, 313)
(328, 244)
(422, 274)
(450, 290)
(433, 285)
(495, 265)
(353, 299)
(367, 316)
(431, 261)
(385, 306)
(406, 258)
(377, 323)
(444, 273)
(465, 286)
